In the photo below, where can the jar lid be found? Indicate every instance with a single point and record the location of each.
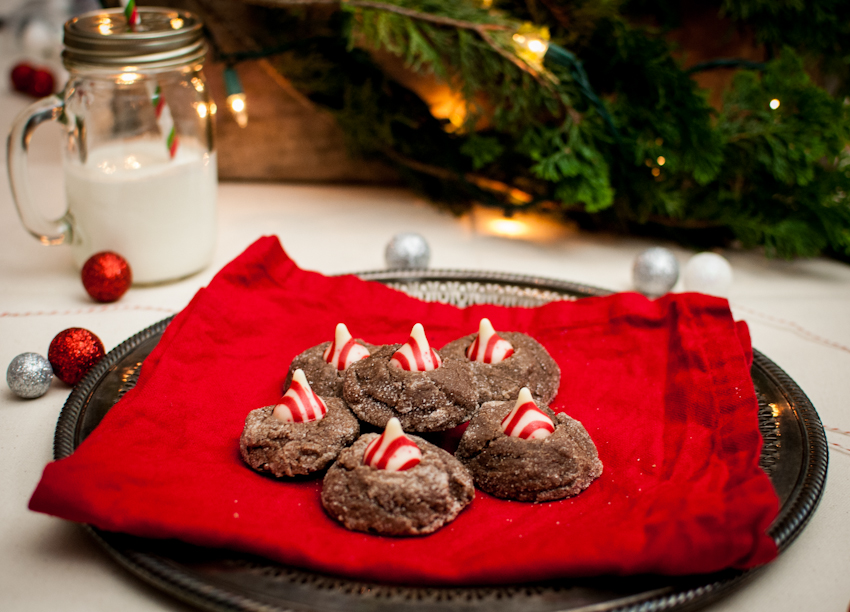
(163, 38)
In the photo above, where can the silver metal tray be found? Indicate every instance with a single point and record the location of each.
(794, 456)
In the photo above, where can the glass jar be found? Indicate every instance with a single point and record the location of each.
(139, 154)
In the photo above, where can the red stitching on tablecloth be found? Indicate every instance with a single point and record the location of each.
(90, 310)
(805, 333)
(843, 449)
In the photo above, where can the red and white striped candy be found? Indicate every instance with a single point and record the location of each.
(344, 351)
(526, 420)
(488, 346)
(300, 404)
(392, 450)
(416, 355)
(131, 13)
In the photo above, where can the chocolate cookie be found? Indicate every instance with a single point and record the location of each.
(325, 378)
(416, 501)
(435, 400)
(530, 366)
(560, 465)
(293, 449)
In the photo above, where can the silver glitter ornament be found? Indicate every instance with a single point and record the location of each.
(708, 273)
(655, 271)
(407, 250)
(29, 375)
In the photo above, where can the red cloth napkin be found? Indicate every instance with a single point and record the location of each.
(662, 386)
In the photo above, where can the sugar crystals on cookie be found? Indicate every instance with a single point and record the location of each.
(395, 484)
(524, 451)
(325, 364)
(412, 383)
(299, 435)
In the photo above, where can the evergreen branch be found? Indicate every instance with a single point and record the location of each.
(561, 56)
(516, 61)
(641, 146)
(399, 10)
(483, 183)
(482, 29)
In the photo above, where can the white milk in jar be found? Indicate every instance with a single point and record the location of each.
(156, 212)
(135, 85)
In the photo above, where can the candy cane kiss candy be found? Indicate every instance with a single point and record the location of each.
(344, 351)
(488, 346)
(416, 355)
(300, 404)
(392, 450)
(526, 420)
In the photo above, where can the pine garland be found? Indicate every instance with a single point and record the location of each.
(607, 128)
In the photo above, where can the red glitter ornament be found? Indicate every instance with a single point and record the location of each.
(42, 83)
(22, 77)
(73, 352)
(106, 276)
(35, 82)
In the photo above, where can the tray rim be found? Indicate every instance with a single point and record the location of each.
(793, 516)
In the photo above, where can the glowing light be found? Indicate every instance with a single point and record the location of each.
(198, 84)
(106, 167)
(128, 78)
(774, 104)
(531, 43)
(656, 172)
(176, 23)
(235, 96)
(509, 228)
(661, 161)
(238, 107)
(213, 108)
(105, 26)
(522, 225)
(451, 106)
(537, 46)
(202, 110)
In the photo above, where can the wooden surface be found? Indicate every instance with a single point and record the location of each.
(287, 137)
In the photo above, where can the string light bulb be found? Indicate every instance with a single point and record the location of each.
(236, 99)
(774, 104)
(531, 43)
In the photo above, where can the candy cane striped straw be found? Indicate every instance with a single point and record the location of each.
(165, 120)
(131, 13)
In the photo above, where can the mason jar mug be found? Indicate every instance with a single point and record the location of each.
(139, 148)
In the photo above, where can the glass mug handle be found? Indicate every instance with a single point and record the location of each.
(48, 231)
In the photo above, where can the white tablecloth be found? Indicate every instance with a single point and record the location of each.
(798, 312)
